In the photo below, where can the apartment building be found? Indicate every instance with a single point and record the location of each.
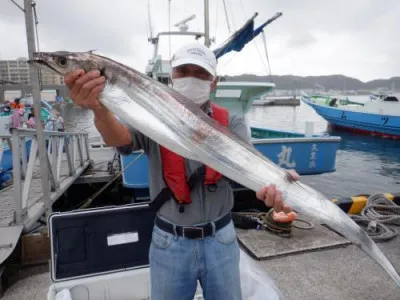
(18, 71)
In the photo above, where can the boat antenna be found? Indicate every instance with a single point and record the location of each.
(207, 41)
(182, 25)
(149, 17)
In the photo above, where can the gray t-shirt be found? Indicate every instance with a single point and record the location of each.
(207, 205)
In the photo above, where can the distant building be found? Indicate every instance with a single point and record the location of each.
(15, 70)
(18, 71)
(49, 77)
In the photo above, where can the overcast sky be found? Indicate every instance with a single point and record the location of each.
(357, 38)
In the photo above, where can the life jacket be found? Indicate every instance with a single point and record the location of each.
(13, 105)
(174, 170)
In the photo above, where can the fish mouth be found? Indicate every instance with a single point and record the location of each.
(38, 61)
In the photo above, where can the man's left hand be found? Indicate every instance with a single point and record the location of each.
(272, 197)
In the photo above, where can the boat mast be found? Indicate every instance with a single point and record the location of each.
(207, 42)
(169, 29)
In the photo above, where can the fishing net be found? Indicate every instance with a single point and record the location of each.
(255, 282)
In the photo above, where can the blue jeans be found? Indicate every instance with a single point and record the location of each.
(177, 263)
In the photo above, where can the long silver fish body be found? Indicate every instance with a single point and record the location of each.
(175, 122)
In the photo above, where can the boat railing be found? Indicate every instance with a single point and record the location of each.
(67, 154)
(97, 143)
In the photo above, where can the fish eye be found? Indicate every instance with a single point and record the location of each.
(62, 61)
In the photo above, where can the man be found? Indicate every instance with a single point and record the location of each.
(31, 123)
(17, 104)
(197, 240)
(17, 118)
(59, 122)
(50, 122)
(7, 108)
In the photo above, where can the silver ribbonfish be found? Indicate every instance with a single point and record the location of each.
(175, 122)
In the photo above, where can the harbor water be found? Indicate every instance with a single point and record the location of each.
(364, 165)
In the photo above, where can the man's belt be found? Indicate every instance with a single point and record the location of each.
(196, 231)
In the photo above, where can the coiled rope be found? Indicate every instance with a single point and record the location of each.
(376, 215)
(254, 219)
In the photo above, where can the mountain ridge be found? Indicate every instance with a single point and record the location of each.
(327, 82)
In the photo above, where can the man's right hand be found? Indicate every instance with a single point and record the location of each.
(85, 89)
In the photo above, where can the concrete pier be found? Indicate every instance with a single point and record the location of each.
(329, 274)
(277, 102)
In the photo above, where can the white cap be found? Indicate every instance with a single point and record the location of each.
(196, 54)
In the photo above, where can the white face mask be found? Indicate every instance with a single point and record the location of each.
(195, 89)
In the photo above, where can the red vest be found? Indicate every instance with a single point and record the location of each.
(173, 165)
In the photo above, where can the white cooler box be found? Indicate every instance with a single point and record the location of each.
(101, 254)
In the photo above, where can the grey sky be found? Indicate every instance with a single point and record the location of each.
(357, 38)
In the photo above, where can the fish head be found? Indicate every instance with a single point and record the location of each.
(63, 62)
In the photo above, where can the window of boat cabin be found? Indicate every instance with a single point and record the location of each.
(163, 80)
(391, 99)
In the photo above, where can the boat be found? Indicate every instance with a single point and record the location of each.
(307, 154)
(379, 116)
(5, 117)
(378, 95)
(237, 97)
(331, 100)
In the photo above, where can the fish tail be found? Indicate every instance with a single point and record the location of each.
(348, 228)
(331, 215)
(370, 247)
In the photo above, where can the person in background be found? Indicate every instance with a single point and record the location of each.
(7, 108)
(16, 104)
(17, 118)
(31, 123)
(59, 122)
(31, 113)
(49, 123)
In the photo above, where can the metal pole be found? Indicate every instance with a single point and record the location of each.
(2, 90)
(226, 17)
(34, 77)
(169, 29)
(16, 175)
(17, 5)
(206, 24)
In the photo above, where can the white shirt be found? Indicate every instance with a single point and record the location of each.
(60, 122)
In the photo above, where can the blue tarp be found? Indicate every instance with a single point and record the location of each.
(241, 37)
(237, 41)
